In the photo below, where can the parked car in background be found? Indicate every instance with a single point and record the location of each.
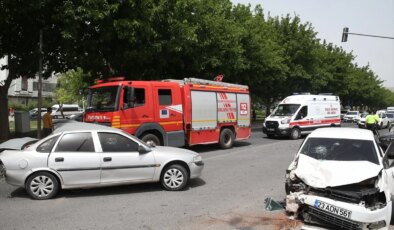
(76, 116)
(390, 117)
(357, 119)
(343, 113)
(361, 120)
(341, 179)
(351, 116)
(65, 110)
(81, 155)
(383, 120)
(34, 113)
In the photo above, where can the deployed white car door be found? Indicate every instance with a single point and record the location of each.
(388, 163)
(75, 159)
(121, 160)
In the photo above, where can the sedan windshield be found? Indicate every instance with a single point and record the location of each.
(286, 109)
(103, 99)
(340, 149)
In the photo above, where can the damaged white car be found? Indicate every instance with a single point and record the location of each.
(341, 179)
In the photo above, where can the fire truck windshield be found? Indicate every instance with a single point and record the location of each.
(103, 99)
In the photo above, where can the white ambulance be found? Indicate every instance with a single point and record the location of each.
(301, 114)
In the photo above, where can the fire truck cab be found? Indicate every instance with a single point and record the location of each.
(173, 112)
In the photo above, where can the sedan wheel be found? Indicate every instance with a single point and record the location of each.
(42, 186)
(174, 178)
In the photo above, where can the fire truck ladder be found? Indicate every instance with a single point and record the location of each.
(207, 82)
(215, 83)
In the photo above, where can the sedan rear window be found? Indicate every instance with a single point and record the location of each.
(47, 146)
(340, 149)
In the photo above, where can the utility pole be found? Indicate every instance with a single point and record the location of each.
(39, 104)
(345, 34)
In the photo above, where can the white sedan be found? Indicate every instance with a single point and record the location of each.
(80, 155)
(340, 178)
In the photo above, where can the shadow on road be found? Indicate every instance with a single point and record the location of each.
(109, 191)
(216, 147)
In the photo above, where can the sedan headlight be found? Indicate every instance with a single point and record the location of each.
(285, 121)
(197, 158)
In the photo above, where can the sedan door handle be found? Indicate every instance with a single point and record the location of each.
(106, 159)
(59, 159)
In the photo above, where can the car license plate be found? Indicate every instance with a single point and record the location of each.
(332, 209)
(271, 129)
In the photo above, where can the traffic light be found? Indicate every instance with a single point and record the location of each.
(344, 34)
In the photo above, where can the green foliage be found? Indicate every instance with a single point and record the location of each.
(70, 85)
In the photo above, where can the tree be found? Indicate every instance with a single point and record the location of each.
(20, 23)
(265, 69)
(70, 87)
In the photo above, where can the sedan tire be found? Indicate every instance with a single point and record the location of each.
(42, 186)
(174, 178)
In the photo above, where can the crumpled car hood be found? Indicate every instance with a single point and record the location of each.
(322, 174)
(17, 143)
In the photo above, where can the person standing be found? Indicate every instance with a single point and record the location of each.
(47, 122)
(371, 121)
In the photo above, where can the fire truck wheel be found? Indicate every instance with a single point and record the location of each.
(295, 134)
(174, 178)
(151, 138)
(226, 139)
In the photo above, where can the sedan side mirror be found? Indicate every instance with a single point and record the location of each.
(142, 149)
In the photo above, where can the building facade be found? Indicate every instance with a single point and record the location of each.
(24, 90)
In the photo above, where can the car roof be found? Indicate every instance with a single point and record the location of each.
(82, 126)
(343, 133)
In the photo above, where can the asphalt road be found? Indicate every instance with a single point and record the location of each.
(229, 195)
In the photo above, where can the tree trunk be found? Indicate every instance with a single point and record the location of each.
(268, 103)
(4, 122)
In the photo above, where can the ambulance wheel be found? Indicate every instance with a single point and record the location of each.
(151, 139)
(226, 139)
(295, 134)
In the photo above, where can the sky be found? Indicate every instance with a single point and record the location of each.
(329, 17)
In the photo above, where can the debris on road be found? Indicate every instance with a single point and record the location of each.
(271, 205)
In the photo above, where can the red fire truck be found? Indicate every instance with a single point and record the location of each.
(173, 112)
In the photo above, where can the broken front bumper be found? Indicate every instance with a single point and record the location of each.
(359, 218)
